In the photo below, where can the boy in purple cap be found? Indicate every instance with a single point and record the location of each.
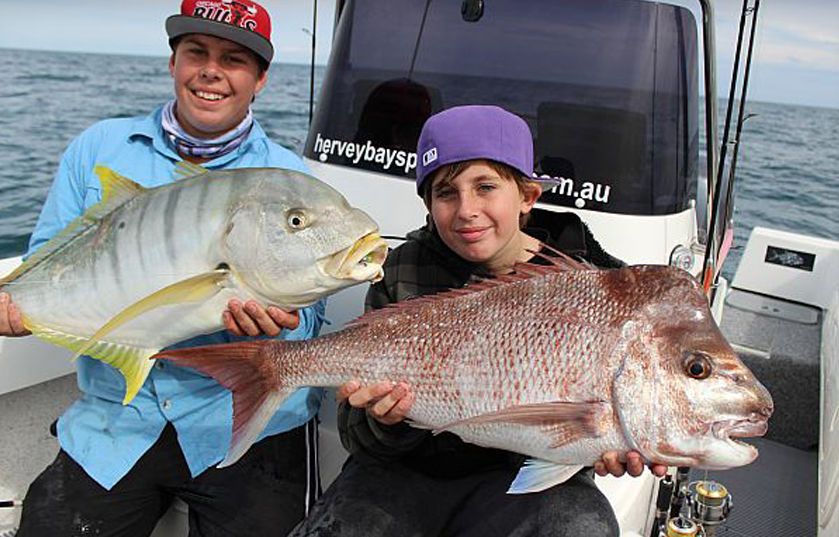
(475, 176)
(120, 467)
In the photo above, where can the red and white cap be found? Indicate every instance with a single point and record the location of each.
(241, 21)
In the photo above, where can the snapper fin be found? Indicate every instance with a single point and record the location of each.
(563, 422)
(537, 475)
(186, 169)
(522, 271)
(116, 190)
(241, 368)
(132, 362)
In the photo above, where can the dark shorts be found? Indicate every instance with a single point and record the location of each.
(266, 492)
(384, 500)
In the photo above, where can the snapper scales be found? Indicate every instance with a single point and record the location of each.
(147, 268)
(561, 363)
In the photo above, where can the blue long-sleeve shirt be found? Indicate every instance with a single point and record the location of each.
(97, 431)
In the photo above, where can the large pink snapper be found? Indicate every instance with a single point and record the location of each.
(561, 363)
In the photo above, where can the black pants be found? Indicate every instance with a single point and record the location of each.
(372, 500)
(265, 493)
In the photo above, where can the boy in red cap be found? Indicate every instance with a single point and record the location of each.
(475, 175)
(120, 467)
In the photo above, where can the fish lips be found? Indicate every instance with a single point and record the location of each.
(740, 428)
(747, 428)
(728, 452)
(361, 261)
(729, 431)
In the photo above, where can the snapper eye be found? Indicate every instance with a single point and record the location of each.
(297, 219)
(697, 366)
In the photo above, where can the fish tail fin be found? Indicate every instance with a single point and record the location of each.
(244, 368)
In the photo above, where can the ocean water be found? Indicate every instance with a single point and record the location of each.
(788, 168)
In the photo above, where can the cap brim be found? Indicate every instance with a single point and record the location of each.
(178, 25)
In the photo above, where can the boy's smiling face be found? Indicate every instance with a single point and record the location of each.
(215, 81)
(477, 215)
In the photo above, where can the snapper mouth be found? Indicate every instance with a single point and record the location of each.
(729, 430)
(360, 262)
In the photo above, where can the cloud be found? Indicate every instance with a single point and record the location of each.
(790, 34)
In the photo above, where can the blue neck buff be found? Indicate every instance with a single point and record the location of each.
(208, 148)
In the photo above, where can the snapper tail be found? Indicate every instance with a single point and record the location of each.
(244, 368)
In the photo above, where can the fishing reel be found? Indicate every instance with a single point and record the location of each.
(682, 527)
(709, 504)
(693, 509)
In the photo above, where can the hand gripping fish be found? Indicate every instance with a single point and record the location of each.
(147, 268)
(561, 363)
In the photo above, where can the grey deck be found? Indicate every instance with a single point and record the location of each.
(27, 446)
(781, 343)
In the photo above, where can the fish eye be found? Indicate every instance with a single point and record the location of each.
(297, 219)
(697, 365)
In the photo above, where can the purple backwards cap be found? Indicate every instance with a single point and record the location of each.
(474, 132)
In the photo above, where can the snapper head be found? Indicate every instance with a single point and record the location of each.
(293, 239)
(683, 395)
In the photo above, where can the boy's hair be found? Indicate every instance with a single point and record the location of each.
(448, 172)
(260, 61)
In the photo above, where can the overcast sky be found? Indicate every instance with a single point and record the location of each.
(797, 52)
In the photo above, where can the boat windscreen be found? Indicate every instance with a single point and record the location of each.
(608, 87)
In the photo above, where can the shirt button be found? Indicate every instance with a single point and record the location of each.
(167, 404)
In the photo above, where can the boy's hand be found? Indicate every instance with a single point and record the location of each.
(252, 319)
(11, 320)
(386, 403)
(634, 465)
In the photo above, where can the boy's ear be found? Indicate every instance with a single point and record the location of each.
(529, 196)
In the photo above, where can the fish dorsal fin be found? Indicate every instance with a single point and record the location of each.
(557, 263)
(116, 190)
(186, 169)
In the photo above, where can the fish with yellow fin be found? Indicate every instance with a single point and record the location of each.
(146, 268)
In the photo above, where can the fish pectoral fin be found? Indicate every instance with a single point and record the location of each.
(537, 475)
(574, 420)
(193, 289)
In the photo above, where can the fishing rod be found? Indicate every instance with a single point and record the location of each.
(741, 119)
(419, 38)
(312, 67)
(719, 229)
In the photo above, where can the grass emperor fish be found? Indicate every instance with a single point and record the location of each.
(560, 362)
(147, 268)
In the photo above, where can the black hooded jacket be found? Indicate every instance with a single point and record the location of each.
(425, 265)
